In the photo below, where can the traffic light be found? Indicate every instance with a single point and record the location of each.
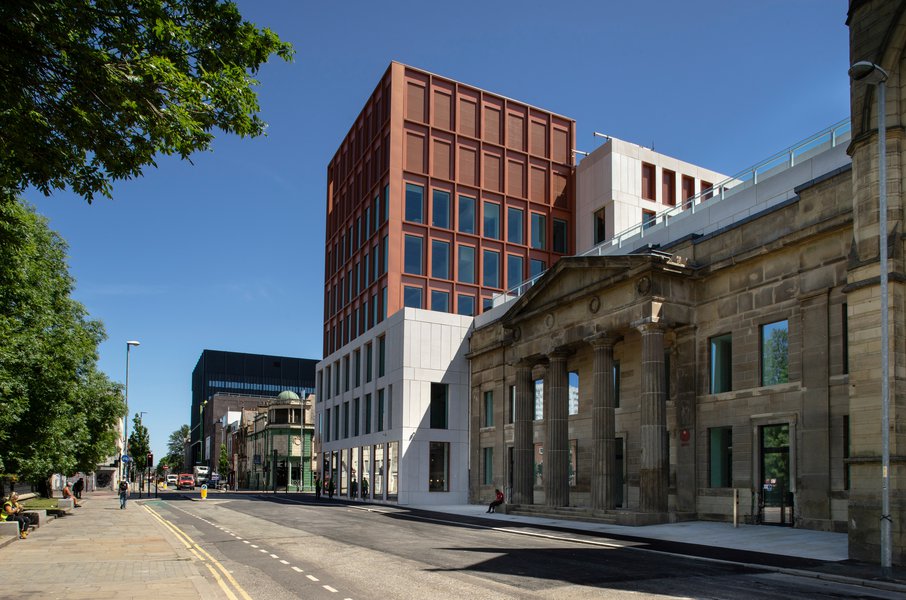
(150, 459)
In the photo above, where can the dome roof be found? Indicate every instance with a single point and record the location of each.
(288, 395)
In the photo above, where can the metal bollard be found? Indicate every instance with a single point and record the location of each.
(204, 492)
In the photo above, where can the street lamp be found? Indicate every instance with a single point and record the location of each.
(871, 74)
(129, 345)
(201, 435)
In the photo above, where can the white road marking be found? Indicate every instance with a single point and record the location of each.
(297, 569)
(246, 542)
(274, 556)
(313, 578)
(284, 561)
(262, 550)
(254, 546)
(329, 589)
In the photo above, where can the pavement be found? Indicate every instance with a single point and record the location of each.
(100, 551)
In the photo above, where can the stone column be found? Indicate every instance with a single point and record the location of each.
(523, 446)
(653, 466)
(556, 433)
(603, 424)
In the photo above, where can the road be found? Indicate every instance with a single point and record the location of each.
(275, 548)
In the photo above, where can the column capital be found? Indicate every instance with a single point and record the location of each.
(603, 339)
(560, 353)
(649, 325)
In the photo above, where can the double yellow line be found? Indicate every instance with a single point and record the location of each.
(204, 557)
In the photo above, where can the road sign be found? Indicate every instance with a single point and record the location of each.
(126, 458)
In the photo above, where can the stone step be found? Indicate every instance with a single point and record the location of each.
(577, 513)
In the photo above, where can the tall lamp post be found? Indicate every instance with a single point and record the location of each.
(123, 464)
(871, 74)
(201, 435)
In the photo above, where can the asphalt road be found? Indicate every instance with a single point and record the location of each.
(277, 548)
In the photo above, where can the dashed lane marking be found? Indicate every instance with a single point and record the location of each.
(329, 589)
(313, 578)
(297, 570)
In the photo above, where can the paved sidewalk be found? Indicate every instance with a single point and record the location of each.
(101, 552)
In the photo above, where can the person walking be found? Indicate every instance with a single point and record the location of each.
(77, 488)
(317, 487)
(330, 488)
(353, 488)
(124, 493)
(498, 500)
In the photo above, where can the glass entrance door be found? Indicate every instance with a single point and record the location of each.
(776, 505)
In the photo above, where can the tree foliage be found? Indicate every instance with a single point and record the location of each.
(176, 448)
(59, 411)
(139, 443)
(91, 91)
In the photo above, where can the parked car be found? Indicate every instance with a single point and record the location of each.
(172, 478)
(185, 481)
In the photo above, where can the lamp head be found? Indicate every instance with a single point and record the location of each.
(867, 72)
(133, 343)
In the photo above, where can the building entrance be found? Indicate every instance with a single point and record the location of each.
(775, 506)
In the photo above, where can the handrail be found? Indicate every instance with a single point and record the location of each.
(775, 164)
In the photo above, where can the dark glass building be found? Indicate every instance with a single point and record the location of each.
(242, 374)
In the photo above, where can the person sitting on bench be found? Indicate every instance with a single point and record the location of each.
(12, 511)
(498, 500)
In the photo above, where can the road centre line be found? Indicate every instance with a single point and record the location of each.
(313, 578)
(298, 570)
(329, 589)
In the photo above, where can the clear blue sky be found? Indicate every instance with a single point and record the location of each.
(227, 253)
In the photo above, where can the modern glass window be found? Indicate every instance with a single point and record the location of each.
(561, 242)
(327, 378)
(539, 399)
(440, 209)
(600, 226)
(466, 264)
(491, 268)
(346, 373)
(367, 222)
(357, 364)
(438, 410)
(649, 218)
(412, 262)
(336, 378)
(380, 410)
(336, 422)
(466, 214)
(384, 255)
(465, 305)
(515, 266)
(487, 304)
(487, 466)
(369, 362)
(327, 425)
(536, 267)
(386, 202)
(721, 354)
(383, 312)
(539, 231)
(367, 414)
(488, 409)
(775, 353)
(366, 267)
(515, 225)
(346, 419)
(377, 263)
(382, 356)
(412, 296)
(439, 466)
(356, 416)
(440, 301)
(573, 402)
(720, 441)
(492, 220)
(440, 259)
(376, 211)
(415, 203)
(649, 182)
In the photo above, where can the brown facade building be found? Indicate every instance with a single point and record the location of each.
(440, 196)
(743, 362)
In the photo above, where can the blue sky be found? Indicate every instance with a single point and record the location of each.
(227, 253)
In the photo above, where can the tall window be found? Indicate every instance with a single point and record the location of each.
(415, 203)
(412, 296)
(707, 190)
(539, 399)
(487, 470)
(466, 214)
(327, 425)
(721, 457)
(356, 416)
(561, 242)
(488, 409)
(440, 211)
(536, 267)
(600, 226)
(384, 255)
(465, 305)
(775, 353)
(511, 416)
(617, 380)
(573, 403)
(539, 231)
(515, 225)
(440, 259)
(466, 264)
(721, 351)
(649, 218)
(688, 188)
(367, 414)
(668, 187)
(412, 263)
(649, 182)
(438, 466)
(514, 270)
(491, 269)
(492, 220)
(438, 417)
(440, 301)
(369, 361)
(381, 356)
(380, 410)
(346, 373)
(346, 419)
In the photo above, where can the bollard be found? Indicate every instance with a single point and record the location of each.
(204, 492)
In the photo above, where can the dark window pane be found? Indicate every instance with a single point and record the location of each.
(415, 203)
(466, 214)
(440, 212)
(413, 257)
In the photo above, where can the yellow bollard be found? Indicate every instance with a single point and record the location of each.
(204, 492)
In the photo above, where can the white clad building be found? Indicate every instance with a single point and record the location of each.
(392, 411)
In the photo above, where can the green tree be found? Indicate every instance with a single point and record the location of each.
(92, 91)
(176, 448)
(223, 466)
(139, 443)
(59, 411)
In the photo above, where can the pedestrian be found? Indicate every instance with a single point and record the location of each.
(124, 493)
(498, 500)
(353, 488)
(67, 494)
(317, 487)
(330, 488)
(77, 488)
(12, 511)
(364, 487)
